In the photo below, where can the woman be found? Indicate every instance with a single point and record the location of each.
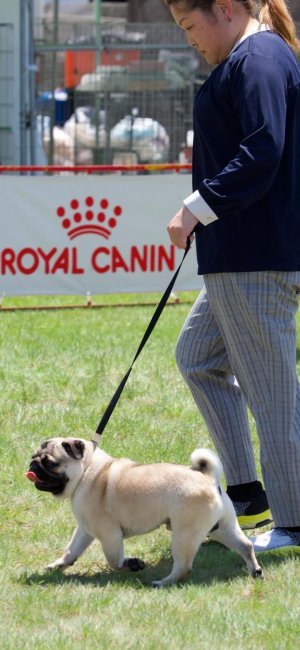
(237, 347)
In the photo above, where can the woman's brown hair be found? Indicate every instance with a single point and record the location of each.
(276, 15)
(273, 13)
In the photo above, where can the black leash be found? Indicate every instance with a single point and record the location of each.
(113, 402)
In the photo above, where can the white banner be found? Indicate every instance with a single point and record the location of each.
(97, 234)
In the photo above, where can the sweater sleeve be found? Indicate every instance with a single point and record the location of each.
(259, 99)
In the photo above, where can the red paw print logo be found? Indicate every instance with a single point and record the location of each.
(92, 217)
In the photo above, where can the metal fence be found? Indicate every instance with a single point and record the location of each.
(109, 93)
(6, 93)
(115, 93)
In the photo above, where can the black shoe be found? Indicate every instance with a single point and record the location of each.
(253, 514)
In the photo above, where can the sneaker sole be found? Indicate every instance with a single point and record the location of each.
(255, 521)
(290, 547)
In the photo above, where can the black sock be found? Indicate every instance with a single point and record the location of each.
(245, 491)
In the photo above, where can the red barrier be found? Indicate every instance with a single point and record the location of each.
(93, 169)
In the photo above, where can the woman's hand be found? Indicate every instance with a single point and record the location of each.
(181, 227)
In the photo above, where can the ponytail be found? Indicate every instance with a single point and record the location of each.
(276, 15)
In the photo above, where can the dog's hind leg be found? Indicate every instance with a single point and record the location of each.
(79, 542)
(185, 544)
(230, 534)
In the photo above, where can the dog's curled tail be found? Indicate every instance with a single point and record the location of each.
(207, 462)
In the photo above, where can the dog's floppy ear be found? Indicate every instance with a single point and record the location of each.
(74, 449)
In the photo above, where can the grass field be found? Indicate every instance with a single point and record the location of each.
(58, 371)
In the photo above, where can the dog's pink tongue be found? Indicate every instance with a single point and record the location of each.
(32, 477)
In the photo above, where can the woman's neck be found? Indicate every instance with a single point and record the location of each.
(250, 26)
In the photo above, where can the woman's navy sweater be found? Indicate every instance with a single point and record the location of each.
(246, 159)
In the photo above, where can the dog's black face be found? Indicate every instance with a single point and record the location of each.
(47, 465)
(42, 472)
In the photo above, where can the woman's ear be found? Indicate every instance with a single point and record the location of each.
(225, 8)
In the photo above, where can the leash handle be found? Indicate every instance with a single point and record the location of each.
(113, 402)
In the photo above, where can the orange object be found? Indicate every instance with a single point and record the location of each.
(80, 62)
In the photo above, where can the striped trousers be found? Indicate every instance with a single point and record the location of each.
(237, 348)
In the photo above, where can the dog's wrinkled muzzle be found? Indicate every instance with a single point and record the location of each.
(45, 480)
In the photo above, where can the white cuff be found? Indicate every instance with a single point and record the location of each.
(199, 208)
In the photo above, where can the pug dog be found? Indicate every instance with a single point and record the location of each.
(116, 498)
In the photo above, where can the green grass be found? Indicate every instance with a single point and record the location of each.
(58, 371)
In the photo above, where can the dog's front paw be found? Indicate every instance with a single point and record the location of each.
(133, 564)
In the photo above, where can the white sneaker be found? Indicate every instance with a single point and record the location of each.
(275, 539)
